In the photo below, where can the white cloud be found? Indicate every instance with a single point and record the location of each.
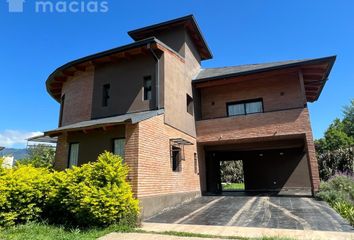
(15, 138)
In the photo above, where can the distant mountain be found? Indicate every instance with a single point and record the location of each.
(17, 153)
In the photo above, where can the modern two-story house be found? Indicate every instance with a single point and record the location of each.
(173, 121)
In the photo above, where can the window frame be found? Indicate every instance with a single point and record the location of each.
(69, 154)
(146, 89)
(113, 140)
(106, 94)
(62, 104)
(244, 103)
(196, 163)
(179, 161)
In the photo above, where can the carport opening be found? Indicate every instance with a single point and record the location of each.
(232, 175)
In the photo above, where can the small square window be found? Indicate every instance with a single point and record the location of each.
(176, 159)
(190, 105)
(147, 88)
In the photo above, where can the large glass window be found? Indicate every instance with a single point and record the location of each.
(73, 154)
(245, 107)
(119, 146)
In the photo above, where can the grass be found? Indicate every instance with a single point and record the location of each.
(233, 186)
(41, 231)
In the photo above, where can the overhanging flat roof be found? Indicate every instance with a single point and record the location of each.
(314, 71)
(43, 139)
(104, 122)
(188, 22)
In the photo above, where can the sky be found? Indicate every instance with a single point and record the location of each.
(34, 43)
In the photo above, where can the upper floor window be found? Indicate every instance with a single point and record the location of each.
(147, 88)
(245, 107)
(190, 105)
(61, 110)
(105, 94)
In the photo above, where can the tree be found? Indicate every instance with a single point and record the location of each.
(231, 171)
(334, 150)
(348, 120)
(40, 156)
(336, 138)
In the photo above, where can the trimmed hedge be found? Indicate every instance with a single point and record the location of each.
(95, 194)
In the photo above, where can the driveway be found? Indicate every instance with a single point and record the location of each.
(256, 211)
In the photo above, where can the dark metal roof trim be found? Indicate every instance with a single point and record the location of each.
(133, 34)
(109, 121)
(180, 141)
(258, 68)
(43, 139)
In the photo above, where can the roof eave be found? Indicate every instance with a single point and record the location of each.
(326, 77)
(312, 61)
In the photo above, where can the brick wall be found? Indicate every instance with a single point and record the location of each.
(258, 126)
(278, 92)
(61, 154)
(78, 92)
(132, 154)
(155, 175)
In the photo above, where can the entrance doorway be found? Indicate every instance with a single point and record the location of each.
(232, 176)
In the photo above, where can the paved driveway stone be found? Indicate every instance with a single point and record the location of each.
(256, 211)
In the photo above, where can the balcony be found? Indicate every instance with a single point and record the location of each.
(275, 124)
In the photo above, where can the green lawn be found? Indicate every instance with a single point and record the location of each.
(38, 231)
(233, 186)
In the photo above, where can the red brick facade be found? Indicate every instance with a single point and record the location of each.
(148, 149)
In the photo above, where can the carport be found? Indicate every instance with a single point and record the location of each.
(277, 166)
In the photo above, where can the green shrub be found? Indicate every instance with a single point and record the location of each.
(338, 188)
(95, 194)
(339, 193)
(23, 193)
(346, 210)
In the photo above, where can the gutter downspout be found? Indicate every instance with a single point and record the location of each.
(157, 60)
